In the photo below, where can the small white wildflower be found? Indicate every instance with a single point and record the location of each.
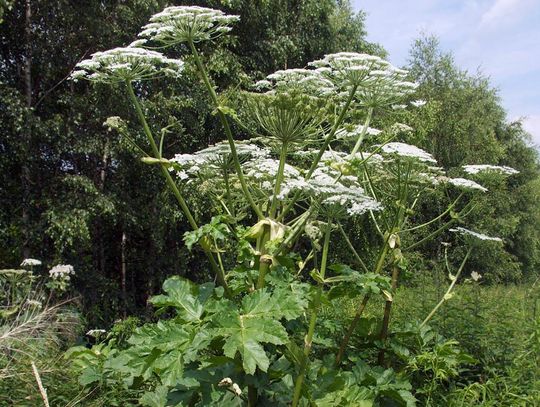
(31, 262)
(400, 128)
(61, 271)
(475, 169)
(466, 184)
(96, 332)
(476, 276)
(480, 236)
(236, 389)
(418, 103)
(225, 382)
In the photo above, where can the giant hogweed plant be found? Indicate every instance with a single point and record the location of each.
(250, 337)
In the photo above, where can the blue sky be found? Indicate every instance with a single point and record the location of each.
(499, 37)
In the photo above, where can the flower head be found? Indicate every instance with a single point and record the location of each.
(404, 150)
(179, 24)
(476, 235)
(61, 271)
(476, 276)
(126, 64)
(31, 262)
(377, 82)
(96, 332)
(464, 183)
(476, 169)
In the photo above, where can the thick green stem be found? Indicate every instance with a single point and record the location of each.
(450, 288)
(172, 185)
(363, 133)
(313, 319)
(351, 329)
(227, 128)
(387, 311)
(279, 179)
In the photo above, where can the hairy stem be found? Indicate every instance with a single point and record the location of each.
(363, 133)
(174, 188)
(351, 329)
(387, 311)
(313, 319)
(279, 179)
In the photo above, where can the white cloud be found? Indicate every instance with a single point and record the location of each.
(505, 12)
(501, 37)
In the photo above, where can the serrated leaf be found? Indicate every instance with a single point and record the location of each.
(182, 294)
(157, 398)
(247, 329)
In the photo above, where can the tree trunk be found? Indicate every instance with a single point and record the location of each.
(27, 141)
(123, 273)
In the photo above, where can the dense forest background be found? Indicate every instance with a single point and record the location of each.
(72, 191)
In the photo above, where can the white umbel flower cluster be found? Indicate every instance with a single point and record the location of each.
(418, 103)
(126, 64)
(352, 67)
(309, 81)
(464, 183)
(355, 132)
(96, 332)
(481, 168)
(476, 235)
(404, 150)
(30, 262)
(180, 24)
(214, 158)
(378, 83)
(338, 196)
(61, 272)
(228, 382)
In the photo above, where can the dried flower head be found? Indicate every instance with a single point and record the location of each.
(179, 24)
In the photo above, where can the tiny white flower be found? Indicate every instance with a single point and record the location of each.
(476, 276)
(225, 382)
(61, 271)
(418, 103)
(236, 389)
(96, 332)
